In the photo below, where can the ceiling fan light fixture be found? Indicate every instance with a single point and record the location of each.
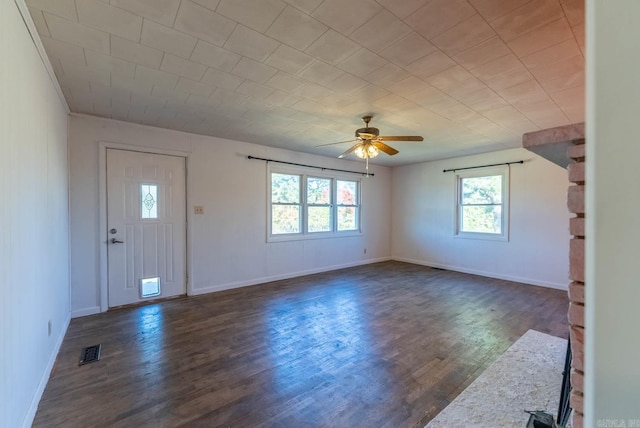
(366, 151)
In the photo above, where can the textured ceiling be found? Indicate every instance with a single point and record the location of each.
(468, 75)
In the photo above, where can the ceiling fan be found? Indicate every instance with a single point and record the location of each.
(369, 142)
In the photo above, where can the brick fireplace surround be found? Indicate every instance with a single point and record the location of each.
(565, 146)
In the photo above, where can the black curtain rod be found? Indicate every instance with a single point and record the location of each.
(482, 166)
(311, 166)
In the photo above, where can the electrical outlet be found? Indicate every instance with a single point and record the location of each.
(198, 209)
(49, 327)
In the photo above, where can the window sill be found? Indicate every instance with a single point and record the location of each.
(312, 236)
(482, 236)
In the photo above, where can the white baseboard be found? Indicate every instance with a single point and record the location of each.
(529, 281)
(33, 408)
(85, 311)
(229, 286)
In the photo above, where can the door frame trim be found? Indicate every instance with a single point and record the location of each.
(103, 266)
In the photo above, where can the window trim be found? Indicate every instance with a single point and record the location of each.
(505, 212)
(304, 234)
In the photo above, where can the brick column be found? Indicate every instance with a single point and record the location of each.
(575, 203)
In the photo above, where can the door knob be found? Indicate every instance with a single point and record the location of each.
(115, 241)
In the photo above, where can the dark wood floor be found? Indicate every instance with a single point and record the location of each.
(383, 345)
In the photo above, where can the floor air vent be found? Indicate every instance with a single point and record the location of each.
(90, 354)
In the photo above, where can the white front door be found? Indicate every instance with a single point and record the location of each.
(146, 226)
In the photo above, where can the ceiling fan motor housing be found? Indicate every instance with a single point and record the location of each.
(367, 133)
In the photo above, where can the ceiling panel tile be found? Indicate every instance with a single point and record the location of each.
(456, 81)
(255, 14)
(403, 8)
(566, 49)
(77, 71)
(464, 35)
(249, 43)
(182, 67)
(314, 92)
(167, 39)
(214, 56)
(574, 10)
(209, 4)
(176, 97)
(281, 99)
(64, 51)
(286, 82)
(386, 75)
(528, 90)
(252, 70)
(346, 16)
(111, 19)
(527, 18)
(224, 97)
(288, 59)
(346, 84)
(578, 33)
(493, 9)
(431, 64)
(362, 62)
(483, 100)
(134, 85)
(203, 23)
(161, 11)
(135, 52)
(98, 61)
(571, 101)
(62, 8)
(381, 31)
(546, 36)
(482, 53)
(77, 34)
(438, 16)
(222, 79)
(39, 22)
(306, 6)
(321, 73)
(296, 29)
(156, 77)
(332, 47)
(408, 49)
(193, 87)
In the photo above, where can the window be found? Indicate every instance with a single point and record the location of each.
(306, 206)
(149, 202)
(482, 204)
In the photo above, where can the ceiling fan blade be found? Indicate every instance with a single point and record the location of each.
(352, 148)
(339, 142)
(401, 138)
(384, 148)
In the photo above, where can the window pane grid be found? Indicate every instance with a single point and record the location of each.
(480, 205)
(302, 204)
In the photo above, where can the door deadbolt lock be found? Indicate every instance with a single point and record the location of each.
(113, 231)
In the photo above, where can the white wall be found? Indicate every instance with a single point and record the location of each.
(228, 245)
(34, 252)
(537, 252)
(612, 345)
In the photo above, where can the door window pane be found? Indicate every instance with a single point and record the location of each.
(149, 194)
